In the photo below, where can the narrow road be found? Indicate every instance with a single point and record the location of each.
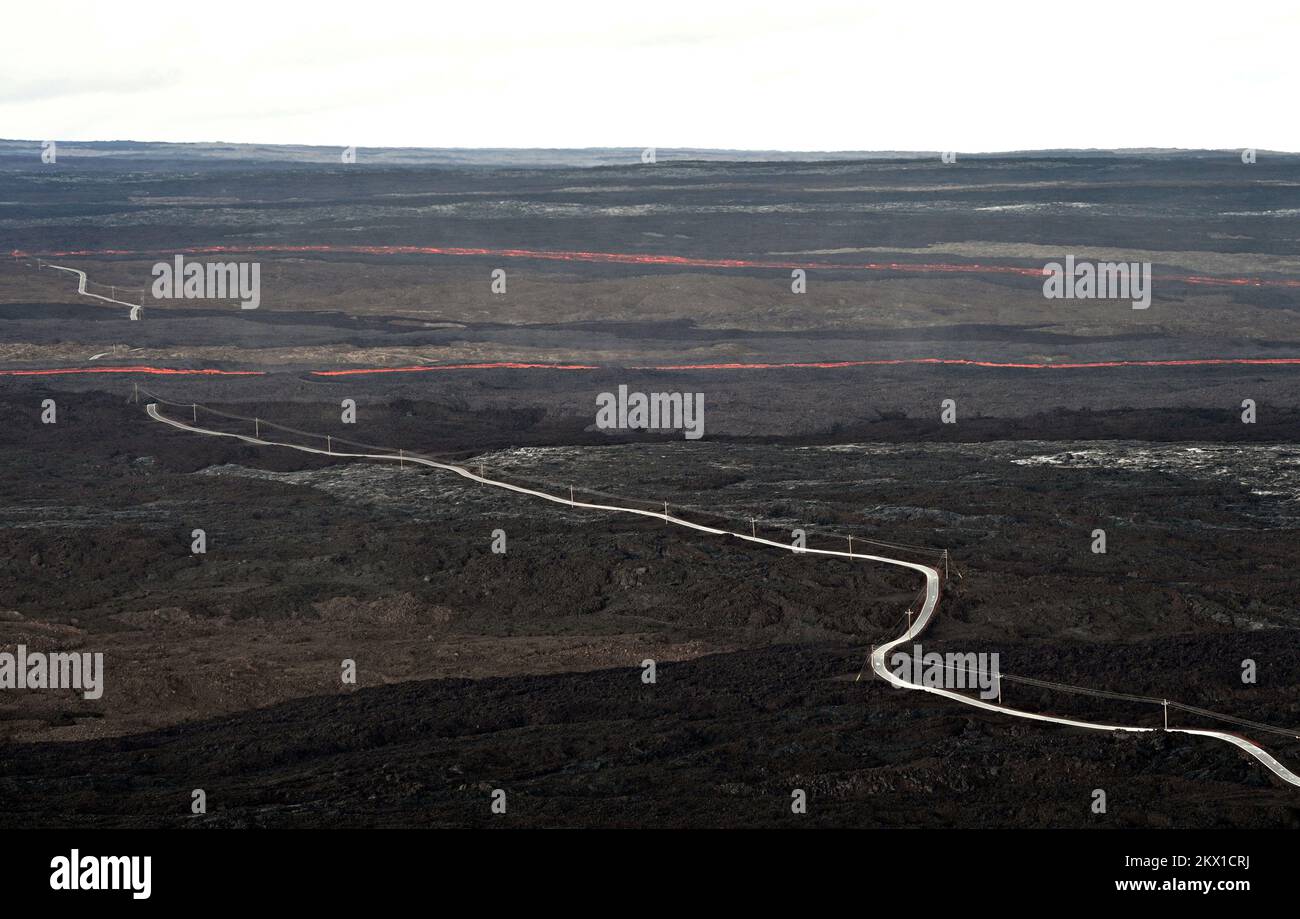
(878, 656)
(81, 289)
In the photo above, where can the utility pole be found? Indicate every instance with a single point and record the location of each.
(194, 408)
(850, 545)
(1166, 705)
(136, 388)
(257, 428)
(945, 564)
(753, 528)
(329, 444)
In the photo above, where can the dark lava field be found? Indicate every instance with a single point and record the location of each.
(523, 670)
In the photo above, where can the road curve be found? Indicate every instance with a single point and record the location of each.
(878, 656)
(81, 289)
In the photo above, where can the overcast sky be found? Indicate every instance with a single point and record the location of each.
(805, 75)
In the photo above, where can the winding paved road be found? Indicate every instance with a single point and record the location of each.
(879, 654)
(81, 289)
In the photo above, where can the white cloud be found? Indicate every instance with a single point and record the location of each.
(801, 76)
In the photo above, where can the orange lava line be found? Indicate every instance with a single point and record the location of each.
(159, 371)
(423, 368)
(1013, 365)
(735, 365)
(836, 365)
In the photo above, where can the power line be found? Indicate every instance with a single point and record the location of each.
(1127, 697)
(923, 594)
(648, 503)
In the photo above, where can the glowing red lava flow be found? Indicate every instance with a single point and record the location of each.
(423, 368)
(835, 365)
(160, 371)
(814, 365)
(626, 258)
(1013, 365)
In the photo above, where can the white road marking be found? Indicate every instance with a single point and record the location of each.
(878, 655)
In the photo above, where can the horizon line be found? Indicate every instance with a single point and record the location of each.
(883, 151)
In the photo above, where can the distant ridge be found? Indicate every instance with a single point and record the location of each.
(22, 152)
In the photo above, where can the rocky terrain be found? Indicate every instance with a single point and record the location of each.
(522, 670)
